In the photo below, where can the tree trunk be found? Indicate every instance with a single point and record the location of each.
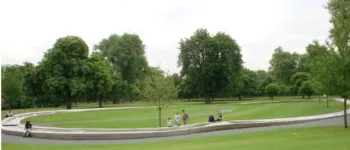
(327, 101)
(99, 101)
(10, 107)
(160, 117)
(212, 98)
(69, 102)
(303, 96)
(114, 101)
(345, 113)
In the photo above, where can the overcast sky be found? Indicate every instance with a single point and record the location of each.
(29, 27)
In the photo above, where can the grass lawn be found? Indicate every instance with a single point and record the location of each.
(138, 103)
(198, 112)
(316, 138)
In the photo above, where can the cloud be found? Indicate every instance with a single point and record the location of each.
(31, 27)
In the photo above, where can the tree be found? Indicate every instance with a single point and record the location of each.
(62, 69)
(11, 85)
(303, 63)
(159, 90)
(98, 74)
(306, 89)
(210, 65)
(272, 90)
(321, 68)
(340, 36)
(297, 80)
(299, 77)
(127, 56)
(283, 65)
(249, 83)
(263, 83)
(283, 90)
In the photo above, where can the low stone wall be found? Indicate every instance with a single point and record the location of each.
(11, 128)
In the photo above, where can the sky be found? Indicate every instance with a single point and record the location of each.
(29, 28)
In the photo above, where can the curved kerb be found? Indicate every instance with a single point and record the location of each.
(12, 126)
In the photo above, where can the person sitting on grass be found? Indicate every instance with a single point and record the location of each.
(27, 128)
(219, 116)
(211, 118)
(170, 122)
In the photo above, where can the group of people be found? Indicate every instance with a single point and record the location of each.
(177, 120)
(185, 117)
(9, 114)
(212, 118)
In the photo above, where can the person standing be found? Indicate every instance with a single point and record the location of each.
(177, 119)
(184, 117)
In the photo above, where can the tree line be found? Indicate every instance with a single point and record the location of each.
(211, 67)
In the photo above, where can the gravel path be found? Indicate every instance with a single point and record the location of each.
(19, 140)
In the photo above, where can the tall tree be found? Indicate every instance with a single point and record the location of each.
(321, 68)
(126, 53)
(98, 74)
(283, 65)
(62, 68)
(340, 36)
(211, 65)
(11, 85)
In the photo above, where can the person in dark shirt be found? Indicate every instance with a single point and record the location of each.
(211, 118)
(27, 128)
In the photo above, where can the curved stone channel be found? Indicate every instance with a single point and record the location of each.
(11, 128)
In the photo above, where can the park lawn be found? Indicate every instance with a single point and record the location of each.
(140, 103)
(148, 117)
(311, 138)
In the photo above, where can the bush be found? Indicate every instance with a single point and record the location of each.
(272, 90)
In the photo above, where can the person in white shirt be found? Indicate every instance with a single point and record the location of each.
(177, 119)
(170, 122)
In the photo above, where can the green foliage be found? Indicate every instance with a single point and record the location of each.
(283, 65)
(98, 78)
(62, 69)
(299, 77)
(249, 85)
(306, 89)
(340, 48)
(211, 65)
(272, 90)
(159, 90)
(11, 85)
(127, 56)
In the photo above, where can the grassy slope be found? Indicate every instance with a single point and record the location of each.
(239, 112)
(316, 138)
